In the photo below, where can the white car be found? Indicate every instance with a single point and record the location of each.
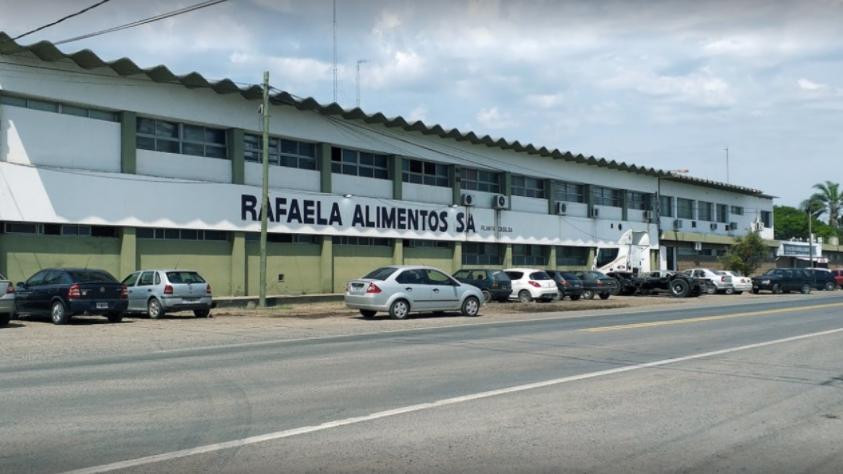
(7, 300)
(739, 282)
(529, 284)
(719, 283)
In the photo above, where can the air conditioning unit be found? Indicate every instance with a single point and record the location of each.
(561, 208)
(733, 226)
(467, 199)
(713, 226)
(677, 223)
(648, 216)
(757, 226)
(698, 246)
(594, 212)
(499, 201)
(694, 224)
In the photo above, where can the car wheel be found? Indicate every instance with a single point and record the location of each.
(777, 289)
(487, 296)
(524, 296)
(829, 286)
(154, 309)
(588, 294)
(114, 317)
(5, 318)
(604, 296)
(575, 297)
(201, 313)
(805, 289)
(399, 309)
(755, 291)
(58, 313)
(367, 313)
(679, 288)
(710, 289)
(729, 291)
(471, 306)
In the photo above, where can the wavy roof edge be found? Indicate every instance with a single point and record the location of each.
(87, 59)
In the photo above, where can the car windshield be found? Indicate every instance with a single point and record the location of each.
(771, 271)
(539, 276)
(500, 276)
(381, 273)
(184, 277)
(89, 276)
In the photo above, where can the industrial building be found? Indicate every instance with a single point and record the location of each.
(108, 165)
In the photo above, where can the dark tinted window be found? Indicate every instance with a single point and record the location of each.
(184, 277)
(57, 277)
(539, 276)
(515, 275)
(412, 277)
(85, 276)
(569, 276)
(131, 279)
(145, 279)
(500, 276)
(381, 273)
(37, 279)
(606, 256)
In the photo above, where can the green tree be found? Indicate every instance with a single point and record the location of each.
(792, 223)
(746, 255)
(830, 199)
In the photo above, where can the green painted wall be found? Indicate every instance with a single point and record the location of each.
(440, 258)
(211, 259)
(128, 250)
(297, 261)
(354, 261)
(23, 255)
(238, 271)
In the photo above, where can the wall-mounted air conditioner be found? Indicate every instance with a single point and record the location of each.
(594, 212)
(677, 223)
(499, 201)
(561, 208)
(467, 199)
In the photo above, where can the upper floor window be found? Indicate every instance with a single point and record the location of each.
(416, 244)
(529, 255)
(637, 200)
(480, 180)
(569, 192)
(283, 152)
(181, 234)
(59, 108)
(606, 196)
(359, 163)
(362, 241)
(182, 138)
(477, 253)
(78, 230)
(528, 187)
(737, 210)
(424, 172)
(572, 256)
(705, 211)
(767, 219)
(722, 213)
(685, 208)
(666, 206)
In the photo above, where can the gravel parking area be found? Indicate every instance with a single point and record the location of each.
(38, 340)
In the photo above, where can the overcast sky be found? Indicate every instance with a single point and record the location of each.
(668, 84)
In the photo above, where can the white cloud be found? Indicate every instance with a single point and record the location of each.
(700, 88)
(493, 119)
(545, 101)
(418, 113)
(809, 85)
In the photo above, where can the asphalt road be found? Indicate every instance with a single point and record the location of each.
(754, 387)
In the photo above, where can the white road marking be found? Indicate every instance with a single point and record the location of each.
(425, 406)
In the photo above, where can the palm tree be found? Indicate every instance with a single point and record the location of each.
(828, 198)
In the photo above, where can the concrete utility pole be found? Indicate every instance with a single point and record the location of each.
(265, 189)
(727, 165)
(357, 81)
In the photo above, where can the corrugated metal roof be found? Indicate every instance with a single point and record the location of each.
(87, 59)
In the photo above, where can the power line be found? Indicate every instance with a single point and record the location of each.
(144, 21)
(61, 19)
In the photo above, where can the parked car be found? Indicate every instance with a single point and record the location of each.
(495, 284)
(404, 289)
(822, 279)
(597, 283)
(7, 301)
(782, 280)
(157, 292)
(529, 284)
(567, 284)
(718, 283)
(63, 293)
(838, 277)
(740, 283)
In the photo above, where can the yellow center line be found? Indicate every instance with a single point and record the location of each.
(708, 318)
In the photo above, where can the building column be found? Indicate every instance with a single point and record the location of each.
(397, 180)
(551, 263)
(398, 252)
(128, 142)
(128, 251)
(325, 167)
(454, 181)
(589, 198)
(507, 185)
(624, 205)
(549, 191)
(592, 253)
(238, 264)
(456, 257)
(326, 265)
(236, 148)
(507, 255)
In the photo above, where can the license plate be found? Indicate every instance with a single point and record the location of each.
(190, 299)
(102, 305)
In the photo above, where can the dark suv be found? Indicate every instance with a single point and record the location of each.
(783, 280)
(494, 284)
(567, 283)
(823, 279)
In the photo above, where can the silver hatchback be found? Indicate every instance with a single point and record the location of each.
(157, 292)
(404, 289)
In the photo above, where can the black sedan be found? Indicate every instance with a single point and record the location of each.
(783, 280)
(568, 284)
(63, 293)
(596, 283)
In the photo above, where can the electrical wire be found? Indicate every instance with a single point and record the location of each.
(144, 21)
(67, 17)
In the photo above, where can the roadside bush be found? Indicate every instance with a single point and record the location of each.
(746, 255)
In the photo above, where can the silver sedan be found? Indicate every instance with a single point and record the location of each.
(404, 289)
(7, 300)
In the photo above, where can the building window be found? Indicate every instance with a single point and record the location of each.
(705, 211)
(767, 219)
(362, 241)
(529, 255)
(416, 244)
(480, 180)
(685, 208)
(528, 187)
(572, 256)
(180, 138)
(722, 213)
(737, 210)
(424, 172)
(181, 234)
(359, 163)
(67, 230)
(285, 238)
(476, 253)
(282, 152)
(59, 108)
(606, 196)
(636, 200)
(569, 192)
(666, 206)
